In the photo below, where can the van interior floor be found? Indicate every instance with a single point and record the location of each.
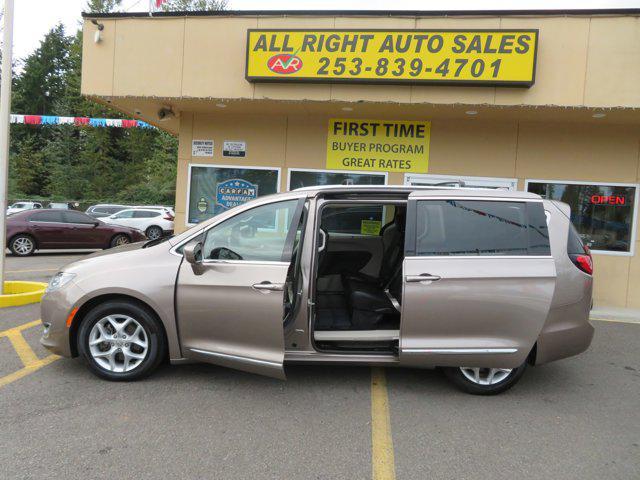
(333, 329)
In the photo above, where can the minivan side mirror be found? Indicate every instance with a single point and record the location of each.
(193, 253)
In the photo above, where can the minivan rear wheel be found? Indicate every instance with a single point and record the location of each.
(484, 381)
(121, 341)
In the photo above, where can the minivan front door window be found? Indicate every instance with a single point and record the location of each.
(258, 234)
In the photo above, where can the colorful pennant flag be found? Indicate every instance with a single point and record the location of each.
(78, 121)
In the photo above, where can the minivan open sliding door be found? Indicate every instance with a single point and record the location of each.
(230, 306)
(478, 278)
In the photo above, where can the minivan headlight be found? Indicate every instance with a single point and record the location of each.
(59, 280)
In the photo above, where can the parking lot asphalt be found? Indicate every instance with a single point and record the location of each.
(573, 419)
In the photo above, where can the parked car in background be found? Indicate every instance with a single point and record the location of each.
(104, 210)
(63, 205)
(170, 210)
(32, 230)
(22, 206)
(154, 223)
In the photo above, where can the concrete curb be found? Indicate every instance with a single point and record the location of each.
(21, 293)
(621, 315)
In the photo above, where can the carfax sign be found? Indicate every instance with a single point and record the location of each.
(469, 57)
(234, 192)
(378, 145)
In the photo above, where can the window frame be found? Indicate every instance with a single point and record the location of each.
(513, 182)
(215, 165)
(47, 212)
(634, 215)
(323, 170)
(124, 210)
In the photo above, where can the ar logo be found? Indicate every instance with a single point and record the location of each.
(284, 63)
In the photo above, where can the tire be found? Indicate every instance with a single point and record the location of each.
(119, 239)
(460, 380)
(121, 359)
(22, 245)
(153, 232)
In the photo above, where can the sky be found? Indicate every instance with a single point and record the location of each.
(33, 18)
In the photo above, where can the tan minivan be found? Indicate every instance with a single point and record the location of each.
(479, 282)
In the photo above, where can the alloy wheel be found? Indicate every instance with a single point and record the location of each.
(485, 376)
(23, 245)
(121, 240)
(118, 343)
(153, 233)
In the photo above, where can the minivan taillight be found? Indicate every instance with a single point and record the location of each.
(583, 261)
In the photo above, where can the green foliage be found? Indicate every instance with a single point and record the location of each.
(81, 164)
(102, 6)
(194, 5)
(29, 168)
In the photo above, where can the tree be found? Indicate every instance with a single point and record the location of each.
(85, 164)
(194, 5)
(102, 6)
(29, 168)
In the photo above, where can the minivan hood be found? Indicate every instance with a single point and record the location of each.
(115, 254)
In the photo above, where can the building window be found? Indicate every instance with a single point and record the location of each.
(603, 214)
(420, 179)
(299, 178)
(214, 189)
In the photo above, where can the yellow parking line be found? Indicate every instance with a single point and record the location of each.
(22, 348)
(19, 328)
(23, 372)
(25, 352)
(382, 458)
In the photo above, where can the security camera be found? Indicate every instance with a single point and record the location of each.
(165, 113)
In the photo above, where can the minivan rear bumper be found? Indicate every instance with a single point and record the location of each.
(563, 339)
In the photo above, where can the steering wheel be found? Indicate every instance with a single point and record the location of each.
(224, 253)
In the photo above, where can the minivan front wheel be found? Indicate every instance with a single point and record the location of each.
(121, 340)
(485, 381)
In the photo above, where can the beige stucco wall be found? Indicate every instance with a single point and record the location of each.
(582, 60)
(607, 153)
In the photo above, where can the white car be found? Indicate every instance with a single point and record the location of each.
(154, 223)
(22, 206)
(157, 207)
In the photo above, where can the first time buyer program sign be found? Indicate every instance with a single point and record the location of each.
(378, 145)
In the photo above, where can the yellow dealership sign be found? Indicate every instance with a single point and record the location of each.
(378, 145)
(455, 57)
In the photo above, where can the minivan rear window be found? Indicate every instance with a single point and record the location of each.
(480, 227)
(574, 242)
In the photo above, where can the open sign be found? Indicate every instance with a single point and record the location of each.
(284, 64)
(608, 200)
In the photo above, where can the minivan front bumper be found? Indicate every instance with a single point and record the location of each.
(55, 309)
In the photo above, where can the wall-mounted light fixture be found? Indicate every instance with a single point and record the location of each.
(165, 113)
(97, 37)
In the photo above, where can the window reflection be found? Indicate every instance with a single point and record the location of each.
(602, 214)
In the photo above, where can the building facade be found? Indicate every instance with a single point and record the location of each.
(268, 101)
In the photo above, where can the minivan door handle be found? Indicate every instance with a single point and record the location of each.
(423, 277)
(276, 287)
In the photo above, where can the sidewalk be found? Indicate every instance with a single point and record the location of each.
(627, 315)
